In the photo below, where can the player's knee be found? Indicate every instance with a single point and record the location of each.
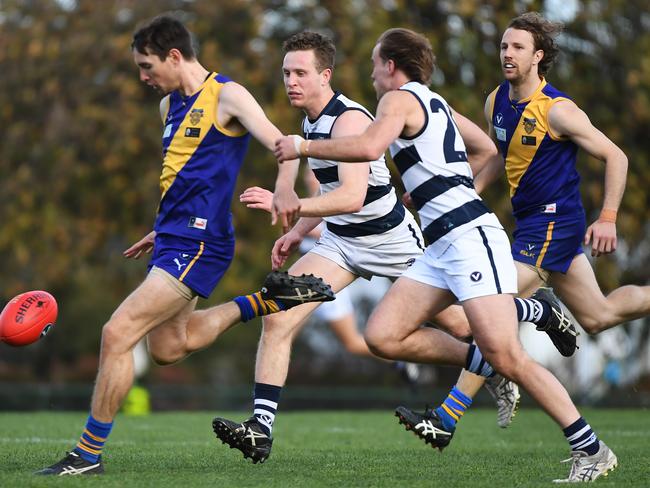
(380, 342)
(166, 357)
(116, 336)
(276, 330)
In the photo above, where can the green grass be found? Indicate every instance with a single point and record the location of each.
(341, 449)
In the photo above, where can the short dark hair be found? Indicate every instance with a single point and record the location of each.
(162, 34)
(544, 33)
(323, 47)
(411, 52)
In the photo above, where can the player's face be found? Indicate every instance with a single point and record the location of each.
(302, 80)
(157, 74)
(518, 55)
(380, 73)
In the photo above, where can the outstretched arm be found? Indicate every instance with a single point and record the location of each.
(567, 120)
(368, 146)
(235, 102)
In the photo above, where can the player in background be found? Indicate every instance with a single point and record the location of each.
(468, 257)
(207, 119)
(539, 130)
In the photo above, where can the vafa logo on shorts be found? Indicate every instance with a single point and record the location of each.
(475, 276)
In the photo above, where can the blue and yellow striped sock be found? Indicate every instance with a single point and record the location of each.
(453, 408)
(254, 305)
(92, 440)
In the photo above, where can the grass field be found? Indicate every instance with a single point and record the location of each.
(342, 449)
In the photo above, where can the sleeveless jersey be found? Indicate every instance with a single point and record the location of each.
(201, 161)
(434, 168)
(540, 166)
(381, 210)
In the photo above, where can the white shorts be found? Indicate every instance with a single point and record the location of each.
(478, 263)
(388, 254)
(336, 309)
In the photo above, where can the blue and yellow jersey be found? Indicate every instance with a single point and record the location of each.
(540, 166)
(201, 161)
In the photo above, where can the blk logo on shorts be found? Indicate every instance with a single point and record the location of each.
(475, 276)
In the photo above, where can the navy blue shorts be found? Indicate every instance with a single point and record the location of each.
(550, 244)
(197, 264)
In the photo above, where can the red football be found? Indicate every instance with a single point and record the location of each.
(27, 317)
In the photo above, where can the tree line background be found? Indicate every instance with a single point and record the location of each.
(80, 151)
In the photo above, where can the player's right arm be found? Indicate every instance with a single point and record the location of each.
(349, 196)
(236, 102)
(494, 166)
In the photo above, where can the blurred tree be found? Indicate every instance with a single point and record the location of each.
(80, 153)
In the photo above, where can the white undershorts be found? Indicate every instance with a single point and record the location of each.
(388, 254)
(478, 263)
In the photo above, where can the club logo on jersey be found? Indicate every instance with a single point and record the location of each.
(476, 276)
(195, 116)
(529, 125)
(499, 118)
(192, 132)
(198, 223)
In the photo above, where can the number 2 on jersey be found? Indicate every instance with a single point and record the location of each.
(451, 133)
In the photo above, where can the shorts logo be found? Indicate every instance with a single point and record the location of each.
(410, 262)
(476, 276)
(179, 264)
(529, 251)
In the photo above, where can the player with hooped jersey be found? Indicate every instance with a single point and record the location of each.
(402, 56)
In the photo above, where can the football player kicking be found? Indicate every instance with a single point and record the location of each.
(207, 119)
(468, 257)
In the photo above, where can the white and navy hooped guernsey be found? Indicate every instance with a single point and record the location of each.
(382, 211)
(435, 171)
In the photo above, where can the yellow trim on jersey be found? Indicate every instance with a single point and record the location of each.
(218, 126)
(490, 100)
(550, 131)
(194, 260)
(547, 242)
(521, 155)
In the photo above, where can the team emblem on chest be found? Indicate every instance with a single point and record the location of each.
(529, 125)
(195, 116)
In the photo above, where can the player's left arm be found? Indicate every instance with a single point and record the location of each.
(367, 146)
(238, 106)
(567, 120)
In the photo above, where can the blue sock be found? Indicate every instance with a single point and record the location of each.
(266, 404)
(92, 440)
(476, 364)
(453, 408)
(254, 305)
(581, 437)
